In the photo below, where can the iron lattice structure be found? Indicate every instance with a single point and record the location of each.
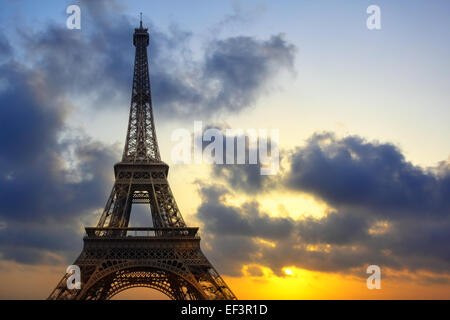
(166, 257)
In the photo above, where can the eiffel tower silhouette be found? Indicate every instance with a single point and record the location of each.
(166, 257)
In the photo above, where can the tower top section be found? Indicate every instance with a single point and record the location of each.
(141, 144)
(140, 35)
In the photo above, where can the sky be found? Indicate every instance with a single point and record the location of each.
(363, 138)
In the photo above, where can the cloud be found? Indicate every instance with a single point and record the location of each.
(242, 66)
(97, 62)
(246, 177)
(354, 172)
(32, 153)
(232, 74)
(5, 48)
(386, 212)
(40, 243)
(228, 220)
(52, 177)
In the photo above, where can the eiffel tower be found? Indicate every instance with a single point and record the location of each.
(166, 257)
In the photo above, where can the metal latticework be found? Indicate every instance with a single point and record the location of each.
(141, 144)
(166, 257)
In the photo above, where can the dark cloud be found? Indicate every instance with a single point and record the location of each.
(32, 154)
(32, 243)
(354, 172)
(228, 220)
(31, 122)
(231, 76)
(386, 212)
(86, 63)
(5, 48)
(240, 235)
(51, 178)
(97, 62)
(243, 65)
(246, 177)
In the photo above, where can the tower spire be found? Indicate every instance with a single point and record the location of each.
(141, 144)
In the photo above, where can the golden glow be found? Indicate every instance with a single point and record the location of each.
(293, 205)
(265, 242)
(288, 272)
(304, 284)
(257, 282)
(284, 204)
(319, 248)
(380, 227)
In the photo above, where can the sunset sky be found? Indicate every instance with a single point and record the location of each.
(363, 119)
